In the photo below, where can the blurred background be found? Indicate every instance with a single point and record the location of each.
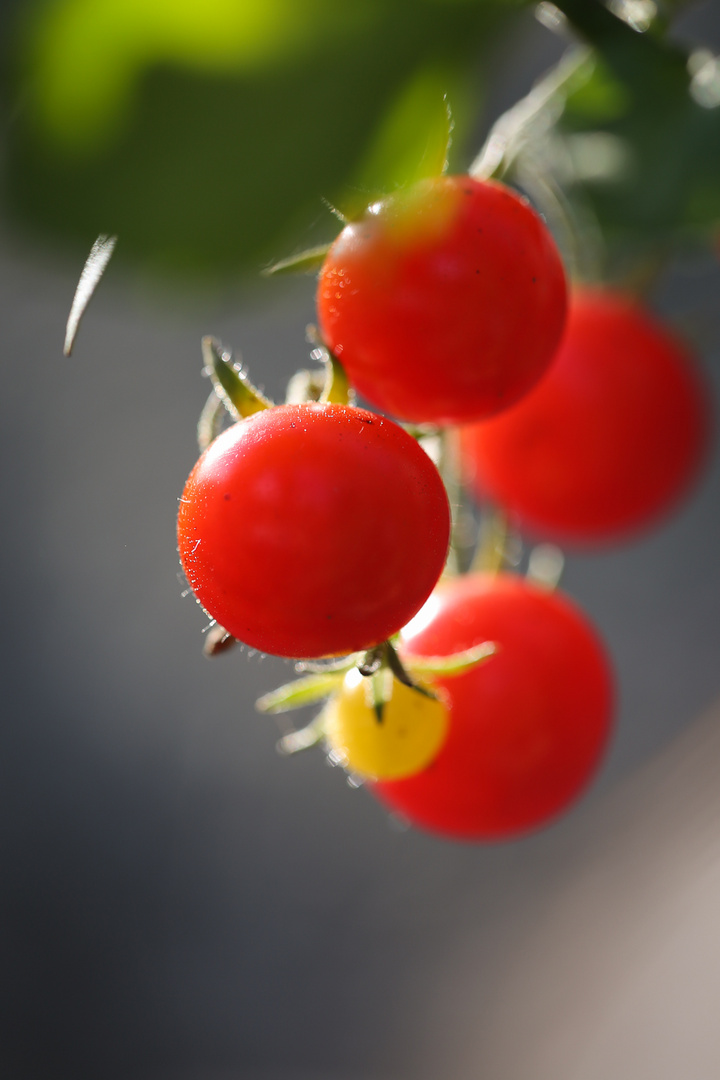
(177, 900)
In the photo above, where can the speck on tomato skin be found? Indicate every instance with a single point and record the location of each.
(431, 305)
(335, 532)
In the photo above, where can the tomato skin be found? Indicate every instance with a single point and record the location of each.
(444, 305)
(313, 530)
(611, 437)
(526, 729)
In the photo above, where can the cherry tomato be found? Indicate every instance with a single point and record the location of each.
(444, 304)
(526, 730)
(409, 735)
(611, 437)
(313, 530)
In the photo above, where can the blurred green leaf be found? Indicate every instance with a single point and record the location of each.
(597, 96)
(413, 139)
(659, 139)
(206, 136)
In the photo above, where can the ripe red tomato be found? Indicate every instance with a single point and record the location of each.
(608, 440)
(312, 530)
(527, 729)
(444, 304)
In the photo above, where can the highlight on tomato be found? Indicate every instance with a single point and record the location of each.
(313, 530)
(610, 439)
(526, 731)
(444, 303)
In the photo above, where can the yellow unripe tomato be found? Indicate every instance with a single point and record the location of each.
(410, 734)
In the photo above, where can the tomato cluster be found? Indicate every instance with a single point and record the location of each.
(479, 707)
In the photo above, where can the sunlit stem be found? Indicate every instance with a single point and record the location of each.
(545, 566)
(385, 658)
(491, 552)
(462, 530)
(545, 100)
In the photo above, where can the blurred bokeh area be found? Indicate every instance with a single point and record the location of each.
(178, 901)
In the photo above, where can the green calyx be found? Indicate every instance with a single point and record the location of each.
(230, 382)
(382, 665)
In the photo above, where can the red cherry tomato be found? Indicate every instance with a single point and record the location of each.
(526, 729)
(312, 530)
(445, 304)
(610, 438)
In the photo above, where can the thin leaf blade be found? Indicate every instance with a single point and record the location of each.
(92, 271)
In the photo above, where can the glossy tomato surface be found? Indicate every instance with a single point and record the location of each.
(445, 303)
(611, 437)
(526, 729)
(312, 530)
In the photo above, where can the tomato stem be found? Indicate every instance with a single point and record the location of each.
(545, 566)
(511, 132)
(307, 690)
(377, 664)
(492, 551)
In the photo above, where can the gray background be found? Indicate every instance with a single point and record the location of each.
(178, 900)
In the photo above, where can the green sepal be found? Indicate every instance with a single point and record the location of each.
(305, 262)
(379, 688)
(231, 385)
(211, 421)
(305, 691)
(337, 388)
(320, 667)
(304, 738)
(454, 664)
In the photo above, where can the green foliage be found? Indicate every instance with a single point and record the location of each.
(206, 136)
(657, 116)
(213, 138)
